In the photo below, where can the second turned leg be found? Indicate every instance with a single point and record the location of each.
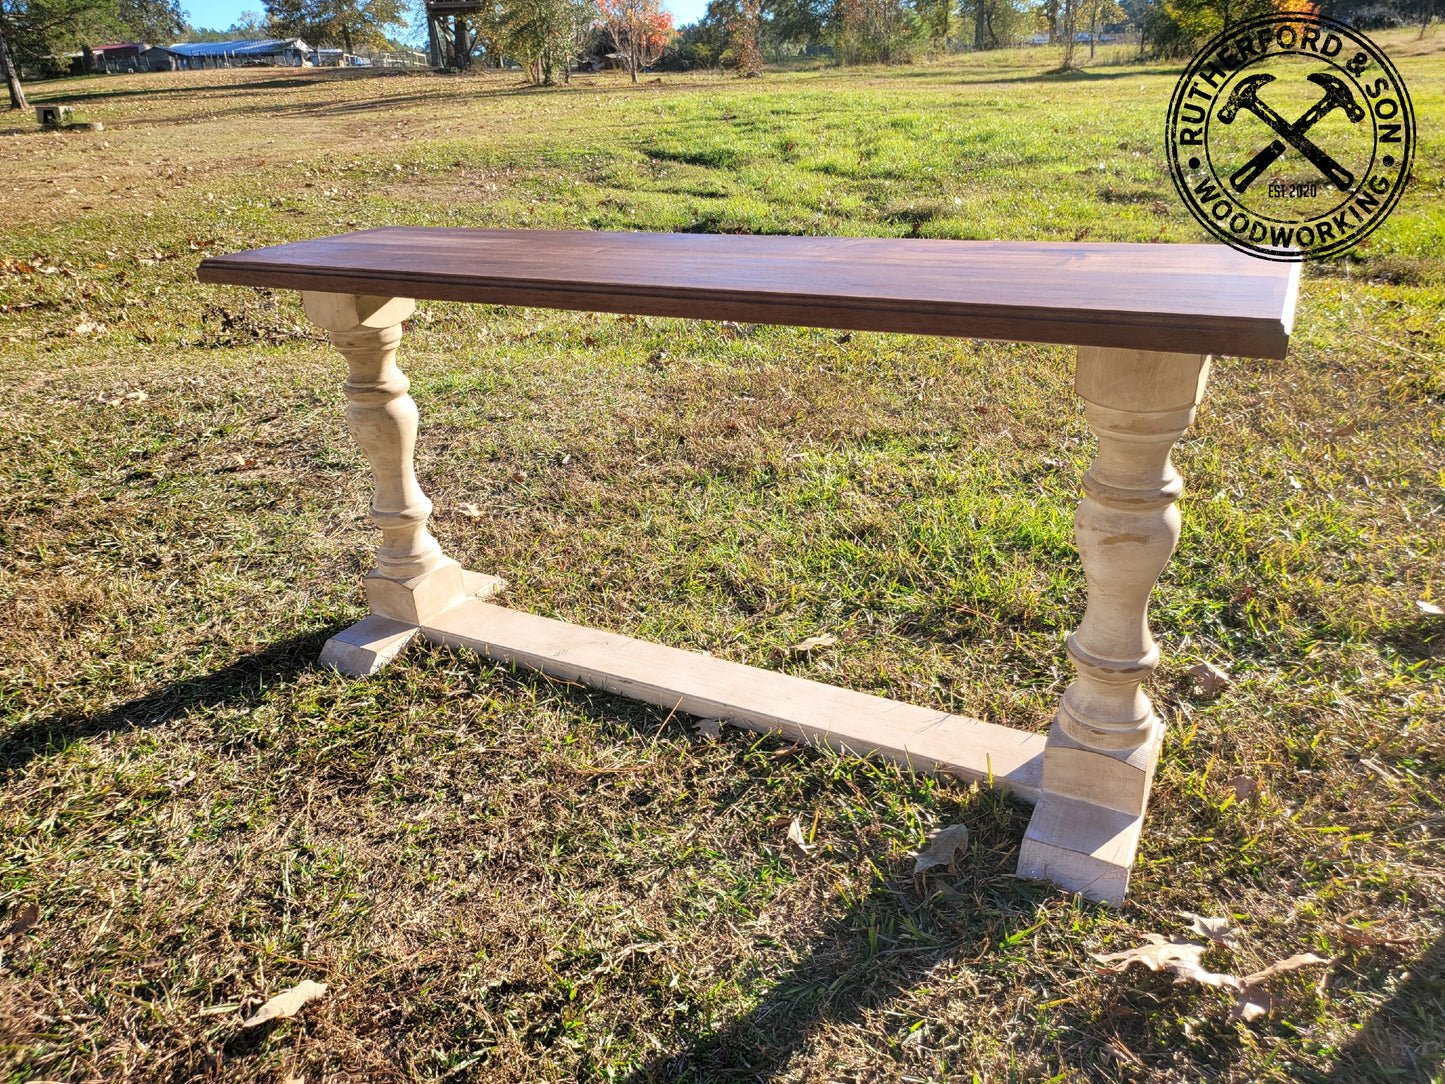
(1104, 742)
(413, 580)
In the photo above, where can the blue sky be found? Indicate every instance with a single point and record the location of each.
(219, 14)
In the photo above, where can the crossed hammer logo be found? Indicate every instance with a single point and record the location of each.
(1246, 96)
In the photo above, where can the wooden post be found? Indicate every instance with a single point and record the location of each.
(413, 580)
(1104, 742)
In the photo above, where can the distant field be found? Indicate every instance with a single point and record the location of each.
(503, 878)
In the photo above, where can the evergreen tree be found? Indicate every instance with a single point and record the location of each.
(793, 22)
(936, 16)
(147, 20)
(12, 77)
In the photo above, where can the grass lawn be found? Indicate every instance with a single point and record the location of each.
(505, 878)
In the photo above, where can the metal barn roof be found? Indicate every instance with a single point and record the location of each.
(249, 47)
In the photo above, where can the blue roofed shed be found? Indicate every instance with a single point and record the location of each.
(286, 52)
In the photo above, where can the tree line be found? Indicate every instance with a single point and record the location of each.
(546, 37)
(737, 33)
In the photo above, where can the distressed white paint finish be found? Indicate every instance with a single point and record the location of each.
(1104, 743)
(1098, 759)
(1138, 404)
(413, 579)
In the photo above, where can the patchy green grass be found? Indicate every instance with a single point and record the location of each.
(504, 878)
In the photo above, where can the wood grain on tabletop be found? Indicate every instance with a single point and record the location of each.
(1199, 299)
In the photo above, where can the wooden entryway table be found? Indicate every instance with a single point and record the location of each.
(1145, 319)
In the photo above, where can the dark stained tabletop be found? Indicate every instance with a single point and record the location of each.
(1199, 299)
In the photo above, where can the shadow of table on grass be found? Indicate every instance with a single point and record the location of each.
(846, 975)
(1403, 1041)
(242, 682)
(841, 980)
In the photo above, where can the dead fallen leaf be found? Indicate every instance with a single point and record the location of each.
(1245, 786)
(797, 840)
(1252, 1003)
(1429, 608)
(942, 850)
(1294, 963)
(25, 919)
(707, 729)
(136, 396)
(1174, 954)
(471, 511)
(1212, 680)
(88, 327)
(1254, 1000)
(287, 1004)
(812, 643)
(1217, 930)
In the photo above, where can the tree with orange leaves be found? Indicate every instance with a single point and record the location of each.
(744, 31)
(640, 29)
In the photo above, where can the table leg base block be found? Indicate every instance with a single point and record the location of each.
(418, 599)
(1081, 847)
(367, 646)
(1118, 778)
(373, 642)
(922, 739)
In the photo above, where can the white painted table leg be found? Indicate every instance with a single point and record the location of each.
(413, 580)
(1101, 751)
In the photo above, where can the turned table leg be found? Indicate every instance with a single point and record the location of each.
(413, 581)
(1103, 745)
